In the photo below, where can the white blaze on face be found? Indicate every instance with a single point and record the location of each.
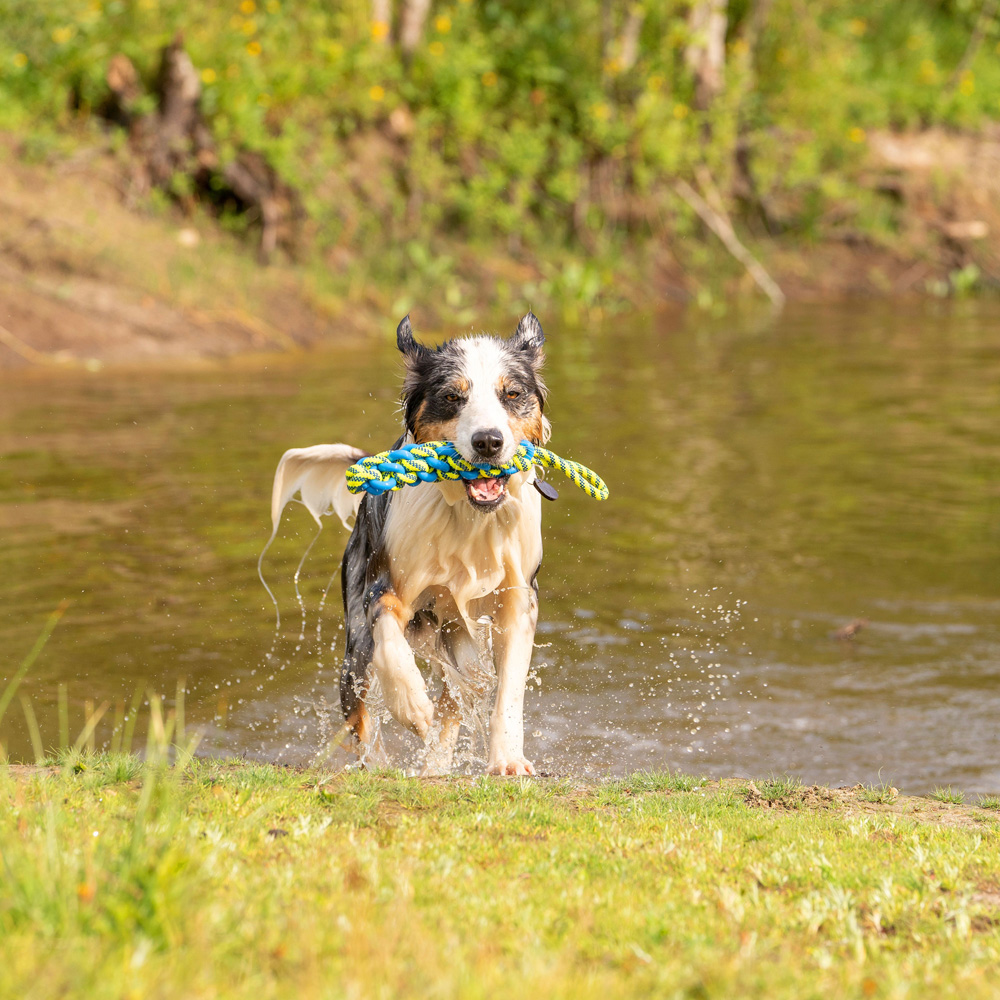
(483, 368)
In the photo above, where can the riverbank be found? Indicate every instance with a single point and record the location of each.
(230, 879)
(87, 279)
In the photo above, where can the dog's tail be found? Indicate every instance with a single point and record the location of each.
(317, 475)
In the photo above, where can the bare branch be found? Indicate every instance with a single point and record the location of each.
(718, 221)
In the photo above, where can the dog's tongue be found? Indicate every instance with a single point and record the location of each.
(485, 490)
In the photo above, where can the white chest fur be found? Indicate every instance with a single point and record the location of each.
(434, 538)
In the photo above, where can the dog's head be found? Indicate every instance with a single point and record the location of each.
(483, 393)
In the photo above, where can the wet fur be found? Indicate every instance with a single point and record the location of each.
(426, 566)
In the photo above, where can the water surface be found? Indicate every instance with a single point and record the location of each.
(771, 481)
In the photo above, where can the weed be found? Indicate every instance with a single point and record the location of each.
(989, 802)
(948, 795)
(776, 787)
(883, 792)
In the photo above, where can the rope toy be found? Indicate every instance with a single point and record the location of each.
(427, 463)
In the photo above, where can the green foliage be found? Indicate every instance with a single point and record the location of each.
(517, 124)
(989, 801)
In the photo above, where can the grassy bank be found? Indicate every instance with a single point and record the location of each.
(546, 153)
(222, 879)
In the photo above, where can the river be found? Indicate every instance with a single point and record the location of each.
(773, 480)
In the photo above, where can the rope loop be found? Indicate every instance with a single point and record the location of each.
(432, 461)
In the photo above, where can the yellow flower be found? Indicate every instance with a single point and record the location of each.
(379, 30)
(377, 93)
(20, 60)
(249, 26)
(968, 84)
(857, 26)
(856, 134)
(442, 24)
(681, 111)
(489, 79)
(612, 67)
(208, 76)
(436, 48)
(62, 35)
(254, 48)
(248, 7)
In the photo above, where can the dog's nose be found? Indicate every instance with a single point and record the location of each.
(488, 443)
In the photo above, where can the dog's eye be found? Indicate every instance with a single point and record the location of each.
(453, 397)
(512, 394)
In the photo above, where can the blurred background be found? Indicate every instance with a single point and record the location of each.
(763, 237)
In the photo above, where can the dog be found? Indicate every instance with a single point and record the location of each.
(444, 571)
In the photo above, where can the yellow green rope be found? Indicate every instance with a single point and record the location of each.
(436, 460)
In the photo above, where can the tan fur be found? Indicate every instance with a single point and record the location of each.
(390, 604)
(425, 430)
(531, 427)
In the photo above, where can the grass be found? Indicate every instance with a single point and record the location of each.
(948, 795)
(775, 788)
(989, 801)
(233, 879)
(882, 792)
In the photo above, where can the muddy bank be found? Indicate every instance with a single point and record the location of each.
(86, 279)
(89, 276)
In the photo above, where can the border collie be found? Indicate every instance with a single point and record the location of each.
(445, 571)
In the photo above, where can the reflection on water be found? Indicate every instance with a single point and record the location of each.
(770, 482)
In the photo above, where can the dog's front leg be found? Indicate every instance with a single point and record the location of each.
(512, 646)
(403, 686)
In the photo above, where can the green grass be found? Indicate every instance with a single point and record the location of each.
(228, 879)
(989, 801)
(949, 795)
(775, 788)
(882, 792)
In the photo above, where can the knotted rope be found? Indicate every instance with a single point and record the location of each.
(415, 463)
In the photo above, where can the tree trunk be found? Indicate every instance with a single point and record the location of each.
(628, 45)
(411, 24)
(705, 54)
(381, 20)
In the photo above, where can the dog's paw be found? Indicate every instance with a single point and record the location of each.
(510, 765)
(410, 706)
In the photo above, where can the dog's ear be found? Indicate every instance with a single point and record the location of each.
(405, 342)
(528, 336)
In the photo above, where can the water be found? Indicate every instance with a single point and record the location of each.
(771, 481)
